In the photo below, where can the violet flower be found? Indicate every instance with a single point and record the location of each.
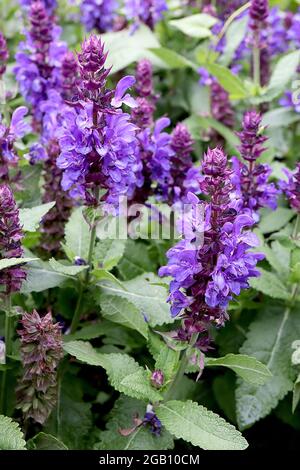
(39, 59)
(50, 5)
(251, 178)
(41, 350)
(291, 188)
(17, 129)
(10, 242)
(148, 12)
(212, 263)
(97, 139)
(98, 14)
(3, 54)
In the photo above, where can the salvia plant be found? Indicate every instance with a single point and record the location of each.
(149, 224)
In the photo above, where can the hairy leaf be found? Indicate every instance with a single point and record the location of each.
(11, 436)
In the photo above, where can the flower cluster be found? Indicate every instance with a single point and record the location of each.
(251, 178)
(39, 58)
(98, 14)
(41, 351)
(291, 188)
(17, 129)
(148, 12)
(50, 5)
(3, 54)
(143, 113)
(97, 139)
(10, 242)
(212, 263)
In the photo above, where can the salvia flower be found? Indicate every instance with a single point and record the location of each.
(50, 5)
(148, 12)
(10, 242)
(17, 129)
(150, 419)
(3, 54)
(143, 113)
(251, 178)
(291, 188)
(41, 351)
(184, 175)
(212, 262)
(98, 14)
(97, 139)
(157, 378)
(39, 58)
(259, 11)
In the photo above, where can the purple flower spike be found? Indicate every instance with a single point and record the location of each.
(259, 11)
(41, 351)
(99, 14)
(3, 54)
(212, 262)
(148, 12)
(292, 188)
(10, 242)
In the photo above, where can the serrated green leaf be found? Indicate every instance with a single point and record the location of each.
(199, 426)
(278, 256)
(145, 294)
(172, 59)
(196, 26)
(247, 367)
(11, 436)
(31, 218)
(275, 220)
(40, 276)
(66, 269)
(230, 82)
(121, 417)
(103, 274)
(124, 374)
(136, 260)
(9, 262)
(283, 73)
(119, 310)
(269, 340)
(77, 236)
(108, 253)
(268, 283)
(43, 441)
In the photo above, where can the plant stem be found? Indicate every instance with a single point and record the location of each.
(181, 370)
(84, 284)
(8, 351)
(256, 62)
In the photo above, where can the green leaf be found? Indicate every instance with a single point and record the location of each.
(9, 262)
(145, 293)
(90, 331)
(296, 394)
(280, 117)
(66, 269)
(230, 82)
(283, 73)
(121, 417)
(278, 256)
(269, 340)
(199, 426)
(195, 123)
(172, 59)
(108, 253)
(224, 392)
(269, 284)
(102, 275)
(249, 368)
(119, 310)
(126, 47)
(124, 374)
(40, 276)
(43, 441)
(167, 361)
(31, 218)
(235, 34)
(77, 236)
(136, 260)
(11, 436)
(196, 26)
(275, 220)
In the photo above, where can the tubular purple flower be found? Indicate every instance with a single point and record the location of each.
(10, 242)
(259, 11)
(212, 263)
(251, 180)
(41, 351)
(148, 12)
(97, 140)
(3, 54)
(291, 188)
(50, 5)
(99, 14)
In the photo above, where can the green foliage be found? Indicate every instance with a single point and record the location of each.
(11, 436)
(9, 262)
(196, 26)
(44, 441)
(77, 236)
(31, 218)
(199, 426)
(269, 284)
